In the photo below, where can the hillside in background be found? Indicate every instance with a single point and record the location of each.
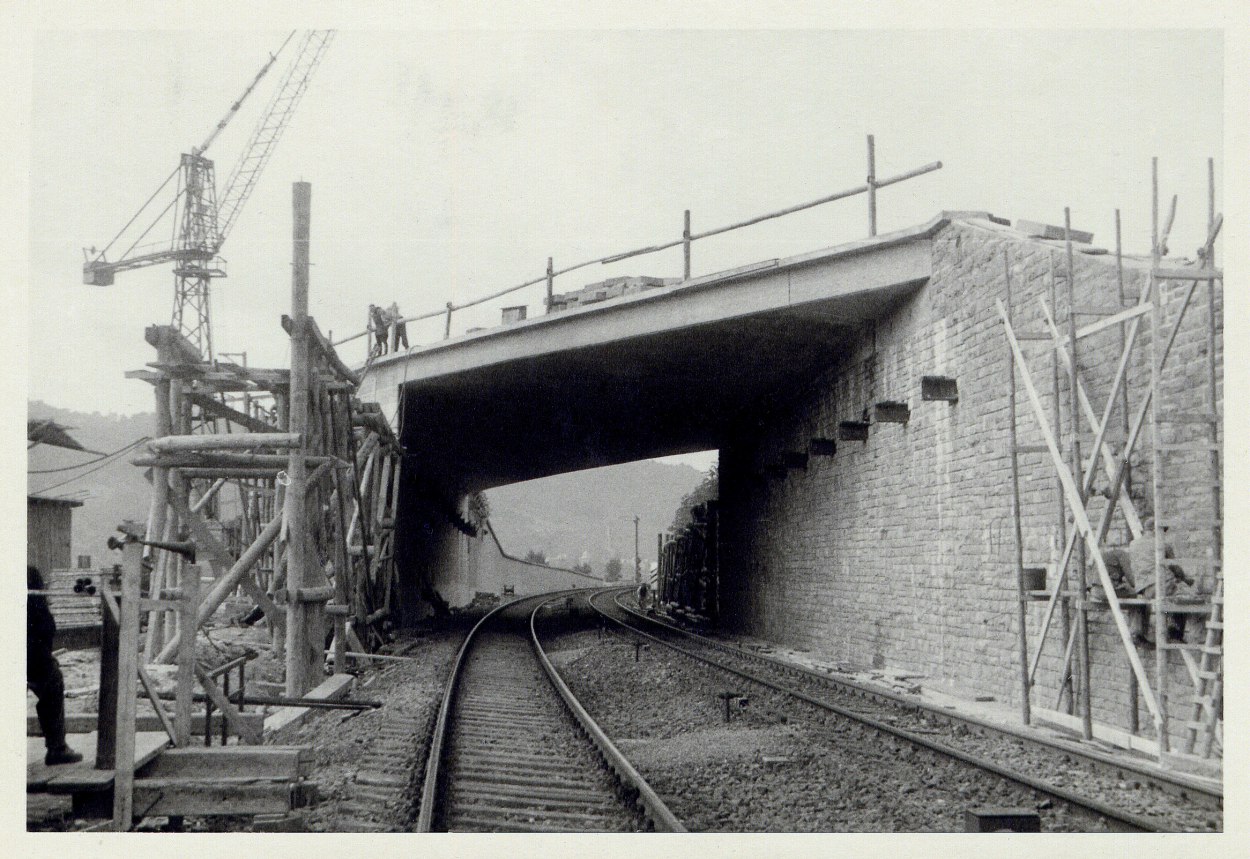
(591, 512)
(110, 494)
(565, 517)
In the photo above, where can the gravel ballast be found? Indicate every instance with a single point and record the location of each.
(778, 765)
(1134, 795)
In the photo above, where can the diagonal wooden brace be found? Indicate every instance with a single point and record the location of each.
(1118, 481)
(1079, 517)
(246, 731)
(220, 556)
(1101, 448)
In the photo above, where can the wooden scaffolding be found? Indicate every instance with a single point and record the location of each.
(307, 537)
(1183, 444)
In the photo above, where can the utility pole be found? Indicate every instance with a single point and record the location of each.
(637, 559)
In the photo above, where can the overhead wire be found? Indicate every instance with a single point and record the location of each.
(100, 458)
(100, 465)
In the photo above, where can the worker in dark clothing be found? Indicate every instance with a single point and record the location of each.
(43, 673)
(380, 326)
(643, 596)
(1120, 570)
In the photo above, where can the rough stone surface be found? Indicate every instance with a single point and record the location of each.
(898, 552)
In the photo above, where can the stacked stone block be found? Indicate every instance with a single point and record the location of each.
(898, 552)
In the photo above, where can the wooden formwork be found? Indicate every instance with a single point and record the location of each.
(688, 575)
(353, 466)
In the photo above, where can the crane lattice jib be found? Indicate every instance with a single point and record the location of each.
(269, 129)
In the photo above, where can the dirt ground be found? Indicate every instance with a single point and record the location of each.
(359, 754)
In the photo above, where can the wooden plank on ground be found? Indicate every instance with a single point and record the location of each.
(71, 778)
(288, 718)
(80, 724)
(204, 797)
(265, 762)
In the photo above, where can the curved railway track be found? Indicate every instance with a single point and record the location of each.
(814, 688)
(513, 751)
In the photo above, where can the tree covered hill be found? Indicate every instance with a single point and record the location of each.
(585, 515)
(589, 515)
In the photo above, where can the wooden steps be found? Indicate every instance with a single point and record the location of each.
(199, 781)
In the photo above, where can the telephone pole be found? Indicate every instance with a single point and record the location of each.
(637, 559)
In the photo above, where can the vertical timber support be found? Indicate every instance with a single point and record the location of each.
(1134, 715)
(298, 549)
(106, 702)
(190, 584)
(1067, 693)
(1156, 365)
(127, 688)
(1021, 612)
(1074, 417)
(659, 565)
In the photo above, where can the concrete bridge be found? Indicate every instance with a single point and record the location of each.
(858, 398)
(665, 371)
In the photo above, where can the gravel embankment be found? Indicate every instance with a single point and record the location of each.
(1060, 770)
(777, 765)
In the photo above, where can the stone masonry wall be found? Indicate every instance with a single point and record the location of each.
(899, 552)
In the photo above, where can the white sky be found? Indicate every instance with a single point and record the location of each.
(446, 165)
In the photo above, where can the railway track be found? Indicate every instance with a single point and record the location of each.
(513, 751)
(973, 742)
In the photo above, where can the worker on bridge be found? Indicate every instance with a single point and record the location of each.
(381, 322)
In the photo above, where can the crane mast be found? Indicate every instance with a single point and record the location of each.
(201, 223)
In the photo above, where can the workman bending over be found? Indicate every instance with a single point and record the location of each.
(1132, 573)
(43, 673)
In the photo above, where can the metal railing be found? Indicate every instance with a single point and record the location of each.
(870, 187)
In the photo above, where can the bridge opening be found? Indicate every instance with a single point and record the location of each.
(585, 527)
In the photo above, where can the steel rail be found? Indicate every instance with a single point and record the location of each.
(628, 778)
(1170, 783)
(661, 818)
(433, 763)
(1132, 821)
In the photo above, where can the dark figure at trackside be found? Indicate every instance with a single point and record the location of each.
(43, 673)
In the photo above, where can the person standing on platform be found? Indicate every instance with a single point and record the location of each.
(43, 673)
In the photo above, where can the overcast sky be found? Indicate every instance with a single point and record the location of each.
(450, 164)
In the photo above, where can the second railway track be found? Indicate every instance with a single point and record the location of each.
(514, 752)
(1113, 806)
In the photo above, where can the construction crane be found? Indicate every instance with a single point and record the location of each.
(202, 219)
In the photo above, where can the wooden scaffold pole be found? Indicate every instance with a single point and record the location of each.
(298, 669)
(1074, 421)
(1021, 612)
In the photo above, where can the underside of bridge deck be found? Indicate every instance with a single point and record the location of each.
(663, 372)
